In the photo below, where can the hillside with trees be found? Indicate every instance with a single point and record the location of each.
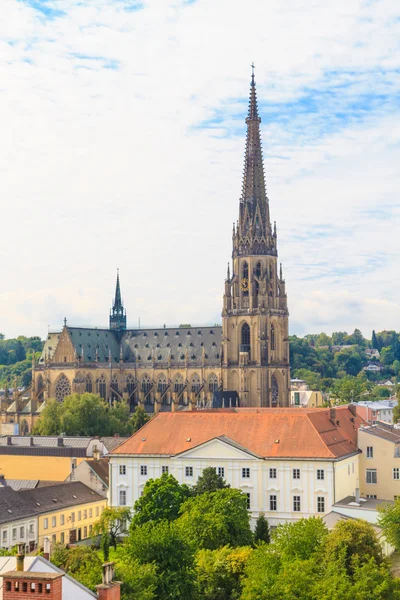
(16, 359)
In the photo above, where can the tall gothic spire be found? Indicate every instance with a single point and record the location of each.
(118, 315)
(253, 234)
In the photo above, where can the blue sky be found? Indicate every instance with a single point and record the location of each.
(122, 146)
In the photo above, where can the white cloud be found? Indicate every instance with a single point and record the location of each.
(104, 167)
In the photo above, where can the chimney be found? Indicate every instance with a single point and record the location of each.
(9, 440)
(46, 548)
(16, 585)
(60, 442)
(357, 496)
(108, 589)
(96, 453)
(353, 409)
(332, 414)
(20, 558)
(31, 441)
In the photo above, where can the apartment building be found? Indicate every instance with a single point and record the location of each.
(379, 461)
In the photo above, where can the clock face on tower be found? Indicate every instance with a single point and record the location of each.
(244, 284)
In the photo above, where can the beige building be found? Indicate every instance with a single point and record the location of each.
(171, 368)
(379, 461)
(289, 463)
(306, 398)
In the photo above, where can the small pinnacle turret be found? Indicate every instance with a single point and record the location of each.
(118, 314)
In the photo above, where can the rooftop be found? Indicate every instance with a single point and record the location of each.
(266, 432)
(384, 431)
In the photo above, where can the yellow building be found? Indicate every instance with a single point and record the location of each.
(48, 458)
(64, 512)
(379, 461)
(306, 398)
(170, 368)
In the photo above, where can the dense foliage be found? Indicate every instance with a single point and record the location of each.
(16, 359)
(88, 414)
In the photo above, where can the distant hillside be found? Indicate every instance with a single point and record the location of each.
(16, 359)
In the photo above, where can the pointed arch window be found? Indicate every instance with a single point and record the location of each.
(274, 391)
(258, 269)
(162, 384)
(40, 388)
(196, 384)
(245, 279)
(101, 387)
(88, 384)
(114, 388)
(213, 383)
(146, 384)
(63, 388)
(179, 384)
(245, 338)
(130, 385)
(272, 337)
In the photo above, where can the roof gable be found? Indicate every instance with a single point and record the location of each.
(221, 447)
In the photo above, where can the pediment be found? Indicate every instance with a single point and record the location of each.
(218, 448)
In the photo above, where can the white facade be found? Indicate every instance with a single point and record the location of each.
(296, 487)
(20, 531)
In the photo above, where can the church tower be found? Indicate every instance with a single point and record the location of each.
(255, 314)
(118, 314)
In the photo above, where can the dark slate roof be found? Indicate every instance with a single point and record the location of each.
(174, 343)
(225, 399)
(144, 345)
(101, 467)
(52, 497)
(12, 506)
(112, 442)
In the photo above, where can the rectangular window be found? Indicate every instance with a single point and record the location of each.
(273, 504)
(372, 496)
(396, 473)
(371, 476)
(79, 515)
(370, 452)
(272, 473)
(14, 533)
(165, 469)
(54, 521)
(85, 514)
(122, 497)
(46, 524)
(245, 472)
(4, 536)
(348, 469)
(62, 537)
(122, 469)
(62, 519)
(297, 398)
(54, 539)
(97, 511)
(90, 529)
(189, 471)
(90, 513)
(143, 469)
(296, 473)
(296, 504)
(321, 504)
(320, 474)
(85, 532)
(72, 517)
(248, 501)
(31, 526)
(22, 532)
(221, 471)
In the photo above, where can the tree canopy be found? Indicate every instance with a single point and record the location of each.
(87, 414)
(161, 500)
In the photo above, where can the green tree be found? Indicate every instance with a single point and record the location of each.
(113, 521)
(161, 499)
(82, 563)
(216, 519)
(299, 540)
(209, 481)
(323, 340)
(348, 360)
(105, 546)
(139, 580)
(313, 380)
(380, 391)
(50, 419)
(374, 341)
(164, 545)
(261, 532)
(353, 540)
(138, 419)
(389, 514)
(219, 572)
(396, 413)
(339, 338)
(349, 389)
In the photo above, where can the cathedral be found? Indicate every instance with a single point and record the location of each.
(189, 367)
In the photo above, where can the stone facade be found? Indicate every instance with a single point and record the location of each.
(172, 368)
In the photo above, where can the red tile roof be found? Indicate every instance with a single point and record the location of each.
(302, 433)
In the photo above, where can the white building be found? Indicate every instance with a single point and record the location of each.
(289, 463)
(17, 523)
(375, 411)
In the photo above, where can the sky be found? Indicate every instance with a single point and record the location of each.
(122, 144)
